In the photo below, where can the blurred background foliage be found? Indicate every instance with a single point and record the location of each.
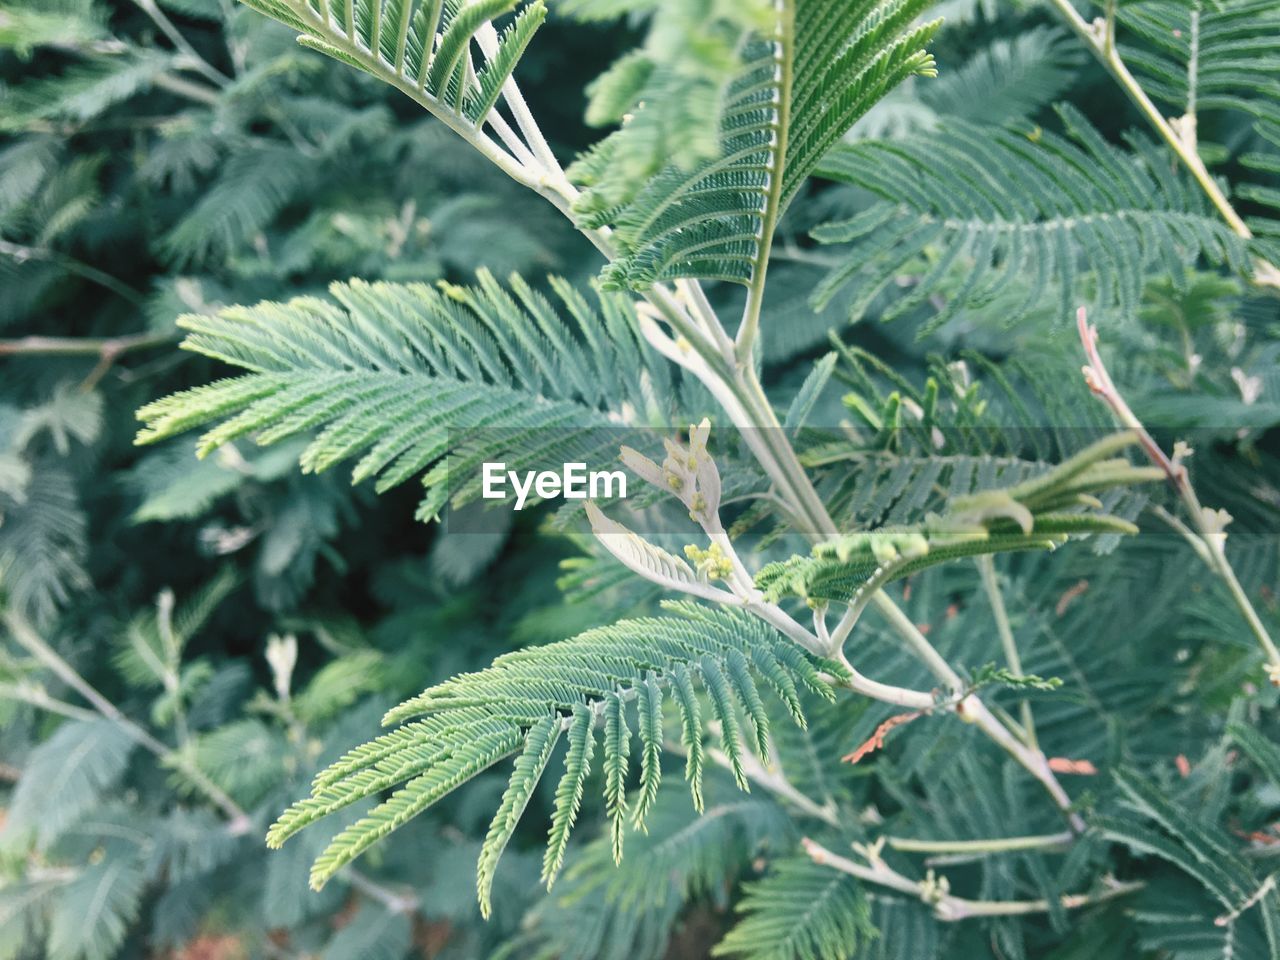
(188, 641)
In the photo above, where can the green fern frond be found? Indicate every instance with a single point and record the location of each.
(523, 702)
(401, 376)
(422, 47)
(649, 713)
(94, 911)
(630, 911)
(617, 747)
(1059, 208)
(1264, 753)
(44, 546)
(799, 911)
(84, 91)
(66, 776)
(802, 87)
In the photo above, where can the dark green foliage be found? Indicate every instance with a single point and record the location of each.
(189, 646)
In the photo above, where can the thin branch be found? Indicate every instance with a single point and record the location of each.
(1209, 525)
(198, 63)
(996, 845)
(395, 903)
(112, 347)
(185, 88)
(21, 254)
(37, 697)
(934, 891)
(772, 779)
(35, 645)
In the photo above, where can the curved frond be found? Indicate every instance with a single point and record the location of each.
(426, 48)
(583, 686)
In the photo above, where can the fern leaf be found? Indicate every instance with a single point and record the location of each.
(617, 747)
(690, 731)
(1257, 748)
(474, 720)
(66, 776)
(649, 712)
(799, 911)
(94, 911)
(1043, 218)
(399, 377)
(374, 933)
(410, 800)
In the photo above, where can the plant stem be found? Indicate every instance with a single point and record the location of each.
(185, 88)
(22, 253)
(991, 585)
(38, 698)
(83, 346)
(935, 892)
(997, 845)
(776, 783)
(748, 328)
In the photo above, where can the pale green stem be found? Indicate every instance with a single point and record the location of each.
(199, 63)
(747, 330)
(996, 845)
(38, 698)
(934, 892)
